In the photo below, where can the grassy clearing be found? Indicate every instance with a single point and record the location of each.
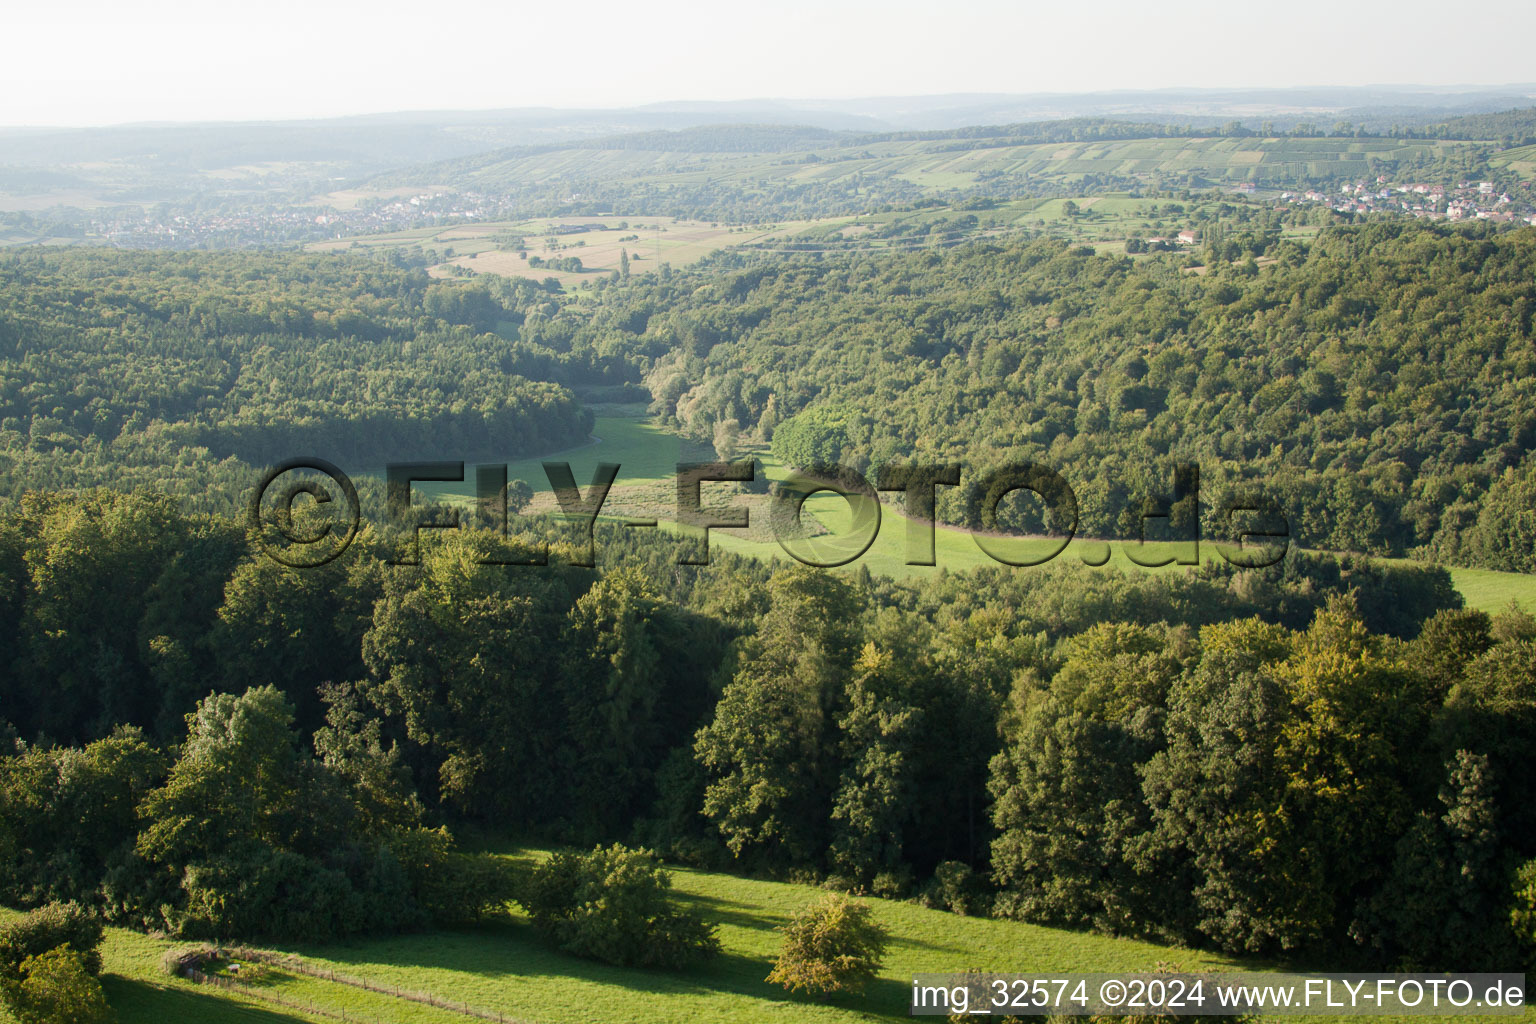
(503, 966)
(142, 994)
(648, 455)
(1493, 591)
(956, 550)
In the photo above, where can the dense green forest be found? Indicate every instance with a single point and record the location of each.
(1321, 758)
(1373, 379)
(1325, 760)
(183, 371)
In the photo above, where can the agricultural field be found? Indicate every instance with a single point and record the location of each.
(1101, 221)
(599, 242)
(1221, 159)
(1522, 159)
(941, 165)
(503, 967)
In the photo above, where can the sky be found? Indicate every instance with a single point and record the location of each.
(91, 62)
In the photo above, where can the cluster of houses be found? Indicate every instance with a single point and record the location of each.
(1182, 238)
(1468, 200)
(416, 211)
(160, 228)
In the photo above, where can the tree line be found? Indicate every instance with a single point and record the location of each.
(185, 370)
(1321, 758)
(1370, 379)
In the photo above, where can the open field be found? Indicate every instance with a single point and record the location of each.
(1492, 591)
(649, 241)
(1522, 159)
(1103, 221)
(648, 455)
(35, 202)
(956, 550)
(1222, 159)
(503, 967)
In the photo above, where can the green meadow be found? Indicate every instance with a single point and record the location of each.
(648, 456)
(502, 966)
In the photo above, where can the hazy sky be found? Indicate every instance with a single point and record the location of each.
(92, 62)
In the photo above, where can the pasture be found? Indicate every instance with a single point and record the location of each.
(502, 967)
(645, 488)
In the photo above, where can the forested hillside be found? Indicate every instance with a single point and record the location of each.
(1321, 761)
(1374, 379)
(184, 371)
(1321, 758)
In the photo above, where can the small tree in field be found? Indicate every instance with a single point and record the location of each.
(57, 987)
(833, 945)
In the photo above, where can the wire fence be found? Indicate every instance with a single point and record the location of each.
(303, 1006)
(289, 962)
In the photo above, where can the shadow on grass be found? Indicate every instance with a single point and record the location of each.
(724, 911)
(139, 1000)
(746, 978)
(508, 950)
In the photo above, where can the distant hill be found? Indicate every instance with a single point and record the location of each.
(758, 180)
(379, 141)
(362, 146)
(773, 158)
(1509, 127)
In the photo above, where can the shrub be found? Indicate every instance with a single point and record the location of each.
(261, 891)
(842, 883)
(57, 987)
(451, 887)
(48, 928)
(1522, 916)
(953, 887)
(612, 904)
(892, 884)
(833, 945)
